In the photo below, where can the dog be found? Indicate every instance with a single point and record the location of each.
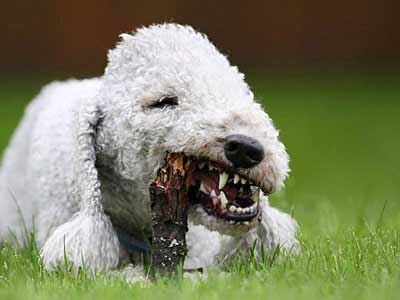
(78, 168)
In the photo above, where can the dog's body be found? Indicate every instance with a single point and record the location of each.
(81, 161)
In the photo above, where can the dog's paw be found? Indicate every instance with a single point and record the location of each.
(132, 274)
(87, 240)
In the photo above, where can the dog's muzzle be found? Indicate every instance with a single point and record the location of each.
(224, 194)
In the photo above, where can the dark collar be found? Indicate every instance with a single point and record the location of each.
(131, 244)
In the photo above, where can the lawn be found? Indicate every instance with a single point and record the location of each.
(342, 133)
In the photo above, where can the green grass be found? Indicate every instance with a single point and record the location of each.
(342, 134)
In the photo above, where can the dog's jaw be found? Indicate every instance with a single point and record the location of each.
(221, 199)
(198, 216)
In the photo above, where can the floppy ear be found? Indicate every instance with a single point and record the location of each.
(88, 238)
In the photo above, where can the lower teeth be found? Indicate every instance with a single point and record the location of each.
(224, 201)
(241, 210)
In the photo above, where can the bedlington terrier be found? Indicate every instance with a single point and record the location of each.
(78, 168)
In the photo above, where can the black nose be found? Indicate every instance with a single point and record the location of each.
(243, 151)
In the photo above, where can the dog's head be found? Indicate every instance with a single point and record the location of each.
(167, 88)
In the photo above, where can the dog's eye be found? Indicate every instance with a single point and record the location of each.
(165, 101)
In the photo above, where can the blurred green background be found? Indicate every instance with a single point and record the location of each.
(326, 72)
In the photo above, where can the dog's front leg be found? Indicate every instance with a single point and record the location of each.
(88, 238)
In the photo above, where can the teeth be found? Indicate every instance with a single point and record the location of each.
(232, 208)
(241, 190)
(203, 188)
(243, 181)
(246, 223)
(224, 201)
(223, 179)
(211, 167)
(201, 165)
(253, 188)
(256, 196)
(239, 210)
(213, 194)
(236, 179)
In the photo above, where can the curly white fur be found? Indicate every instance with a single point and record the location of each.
(81, 160)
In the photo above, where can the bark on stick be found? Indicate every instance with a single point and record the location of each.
(168, 194)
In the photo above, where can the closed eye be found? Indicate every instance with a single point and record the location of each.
(165, 101)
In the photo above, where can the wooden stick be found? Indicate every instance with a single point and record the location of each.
(168, 194)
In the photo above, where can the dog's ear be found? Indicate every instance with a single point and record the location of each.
(88, 120)
(88, 238)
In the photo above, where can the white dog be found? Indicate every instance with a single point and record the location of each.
(78, 167)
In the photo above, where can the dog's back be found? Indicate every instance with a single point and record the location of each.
(45, 123)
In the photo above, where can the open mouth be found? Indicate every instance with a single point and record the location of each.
(223, 193)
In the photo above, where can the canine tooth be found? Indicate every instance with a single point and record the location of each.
(211, 167)
(203, 188)
(256, 196)
(232, 208)
(213, 194)
(243, 180)
(236, 178)
(201, 165)
(224, 201)
(223, 179)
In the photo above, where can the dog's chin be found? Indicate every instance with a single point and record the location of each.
(198, 216)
